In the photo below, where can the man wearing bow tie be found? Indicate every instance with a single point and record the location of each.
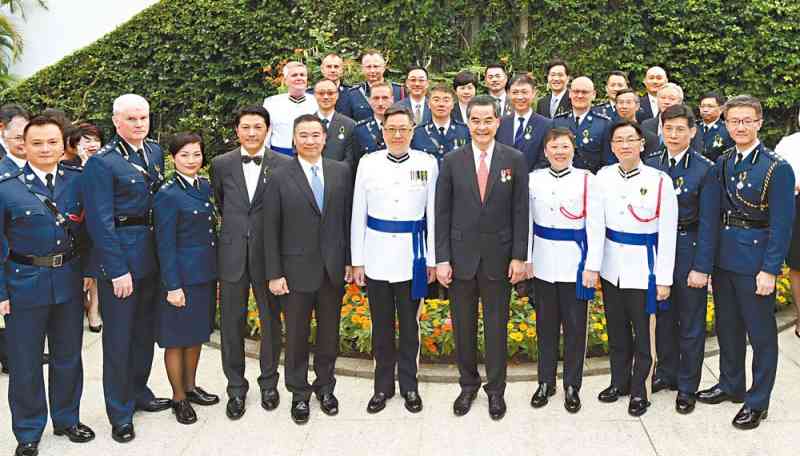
(238, 180)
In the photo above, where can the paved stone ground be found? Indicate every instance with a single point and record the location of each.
(598, 429)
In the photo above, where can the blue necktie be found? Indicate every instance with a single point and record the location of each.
(316, 186)
(518, 134)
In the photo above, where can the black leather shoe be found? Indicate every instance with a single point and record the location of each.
(200, 397)
(637, 406)
(377, 402)
(542, 394)
(156, 404)
(329, 404)
(79, 433)
(235, 408)
(463, 402)
(184, 412)
(300, 412)
(611, 394)
(123, 433)
(748, 418)
(497, 406)
(413, 402)
(659, 384)
(27, 449)
(684, 403)
(572, 402)
(716, 395)
(270, 399)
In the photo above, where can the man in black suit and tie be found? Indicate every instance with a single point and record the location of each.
(555, 102)
(481, 247)
(627, 105)
(417, 100)
(238, 179)
(524, 129)
(7, 114)
(496, 81)
(307, 245)
(654, 80)
(341, 143)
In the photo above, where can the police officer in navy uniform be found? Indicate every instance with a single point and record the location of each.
(711, 128)
(369, 132)
(332, 68)
(617, 80)
(41, 288)
(443, 133)
(119, 183)
(591, 130)
(184, 219)
(356, 104)
(680, 329)
(757, 215)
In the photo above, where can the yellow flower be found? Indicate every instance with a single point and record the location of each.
(356, 318)
(436, 322)
(531, 333)
(604, 337)
(510, 326)
(597, 326)
(433, 304)
(516, 336)
(532, 316)
(523, 326)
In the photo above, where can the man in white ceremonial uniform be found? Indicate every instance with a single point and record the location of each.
(392, 246)
(641, 218)
(565, 240)
(284, 108)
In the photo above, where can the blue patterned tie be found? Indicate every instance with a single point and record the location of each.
(518, 134)
(316, 186)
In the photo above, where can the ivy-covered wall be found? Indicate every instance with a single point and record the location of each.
(197, 60)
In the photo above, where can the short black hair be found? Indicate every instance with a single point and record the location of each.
(416, 67)
(181, 139)
(554, 63)
(523, 78)
(398, 109)
(678, 111)
(41, 120)
(307, 118)
(625, 123)
(11, 110)
(483, 100)
(59, 116)
(620, 74)
(627, 91)
(465, 78)
(715, 95)
(251, 110)
(495, 65)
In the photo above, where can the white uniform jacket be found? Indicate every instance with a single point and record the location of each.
(282, 112)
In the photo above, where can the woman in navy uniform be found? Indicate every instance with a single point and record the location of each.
(184, 226)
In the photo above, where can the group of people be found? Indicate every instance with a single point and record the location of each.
(396, 189)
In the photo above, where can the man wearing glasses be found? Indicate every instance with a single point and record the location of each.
(592, 147)
(417, 100)
(356, 105)
(757, 215)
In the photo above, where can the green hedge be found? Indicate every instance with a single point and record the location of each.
(197, 60)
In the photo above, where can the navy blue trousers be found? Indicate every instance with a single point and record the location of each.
(128, 343)
(740, 312)
(25, 331)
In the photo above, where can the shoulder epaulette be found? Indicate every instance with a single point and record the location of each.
(151, 141)
(70, 167)
(458, 122)
(563, 114)
(107, 148)
(703, 158)
(167, 184)
(364, 121)
(602, 116)
(10, 175)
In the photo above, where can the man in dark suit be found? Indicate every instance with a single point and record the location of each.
(496, 81)
(341, 143)
(238, 180)
(627, 105)
(7, 114)
(669, 95)
(654, 80)
(617, 80)
(307, 249)
(524, 129)
(481, 247)
(556, 102)
(417, 100)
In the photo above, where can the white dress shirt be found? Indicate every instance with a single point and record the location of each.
(388, 190)
(555, 101)
(476, 154)
(463, 109)
(282, 112)
(746, 153)
(626, 265)
(251, 173)
(306, 165)
(189, 180)
(653, 105)
(421, 104)
(502, 101)
(525, 118)
(558, 261)
(42, 175)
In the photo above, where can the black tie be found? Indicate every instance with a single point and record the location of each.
(49, 178)
(196, 185)
(140, 155)
(441, 131)
(325, 124)
(739, 158)
(247, 159)
(671, 163)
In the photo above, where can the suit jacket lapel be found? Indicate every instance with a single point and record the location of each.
(237, 172)
(471, 172)
(301, 181)
(327, 193)
(494, 171)
(266, 164)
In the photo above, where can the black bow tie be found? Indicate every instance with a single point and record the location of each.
(247, 159)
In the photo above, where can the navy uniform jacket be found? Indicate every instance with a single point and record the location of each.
(715, 140)
(113, 188)
(645, 110)
(532, 143)
(28, 227)
(760, 189)
(592, 141)
(185, 232)
(369, 138)
(356, 105)
(698, 211)
(7, 165)
(428, 138)
(607, 110)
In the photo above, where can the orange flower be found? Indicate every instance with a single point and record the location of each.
(356, 299)
(361, 310)
(353, 289)
(423, 316)
(356, 318)
(366, 324)
(436, 332)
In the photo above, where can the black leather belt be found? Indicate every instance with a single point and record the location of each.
(688, 226)
(132, 220)
(738, 222)
(54, 261)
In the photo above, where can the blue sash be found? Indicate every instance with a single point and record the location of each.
(579, 236)
(418, 228)
(283, 150)
(650, 241)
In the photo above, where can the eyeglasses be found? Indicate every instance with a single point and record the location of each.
(395, 131)
(742, 122)
(630, 140)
